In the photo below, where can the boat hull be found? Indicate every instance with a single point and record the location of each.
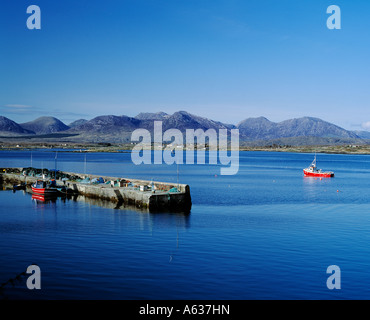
(19, 187)
(318, 174)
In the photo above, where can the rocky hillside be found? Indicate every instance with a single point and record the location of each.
(45, 125)
(77, 123)
(9, 127)
(263, 129)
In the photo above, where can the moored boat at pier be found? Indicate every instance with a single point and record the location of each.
(45, 187)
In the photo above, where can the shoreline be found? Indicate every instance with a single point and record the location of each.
(125, 148)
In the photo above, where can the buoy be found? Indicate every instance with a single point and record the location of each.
(337, 190)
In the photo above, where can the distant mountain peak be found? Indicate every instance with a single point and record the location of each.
(152, 116)
(10, 127)
(263, 129)
(77, 123)
(253, 120)
(45, 125)
(118, 129)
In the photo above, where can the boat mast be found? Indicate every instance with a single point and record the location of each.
(313, 164)
(56, 156)
(85, 165)
(178, 188)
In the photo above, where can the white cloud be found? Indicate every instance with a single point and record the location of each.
(18, 109)
(366, 125)
(17, 106)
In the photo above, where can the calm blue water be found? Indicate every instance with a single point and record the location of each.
(265, 233)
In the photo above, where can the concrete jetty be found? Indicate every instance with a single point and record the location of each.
(153, 195)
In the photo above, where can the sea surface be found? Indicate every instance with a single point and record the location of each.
(266, 233)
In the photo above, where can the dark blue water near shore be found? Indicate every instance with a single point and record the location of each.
(265, 233)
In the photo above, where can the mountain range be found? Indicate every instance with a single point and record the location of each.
(118, 129)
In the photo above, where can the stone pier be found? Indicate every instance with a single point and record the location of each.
(153, 195)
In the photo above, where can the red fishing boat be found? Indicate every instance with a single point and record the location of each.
(45, 187)
(312, 171)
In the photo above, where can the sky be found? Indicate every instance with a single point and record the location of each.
(226, 60)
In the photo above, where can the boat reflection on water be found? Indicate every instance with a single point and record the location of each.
(39, 198)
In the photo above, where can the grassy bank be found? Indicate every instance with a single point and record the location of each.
(337, 149)
(103, 147)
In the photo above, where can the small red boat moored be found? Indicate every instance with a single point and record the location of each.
(312, 171)
(43, 187)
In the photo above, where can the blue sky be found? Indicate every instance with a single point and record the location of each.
(227, 60)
